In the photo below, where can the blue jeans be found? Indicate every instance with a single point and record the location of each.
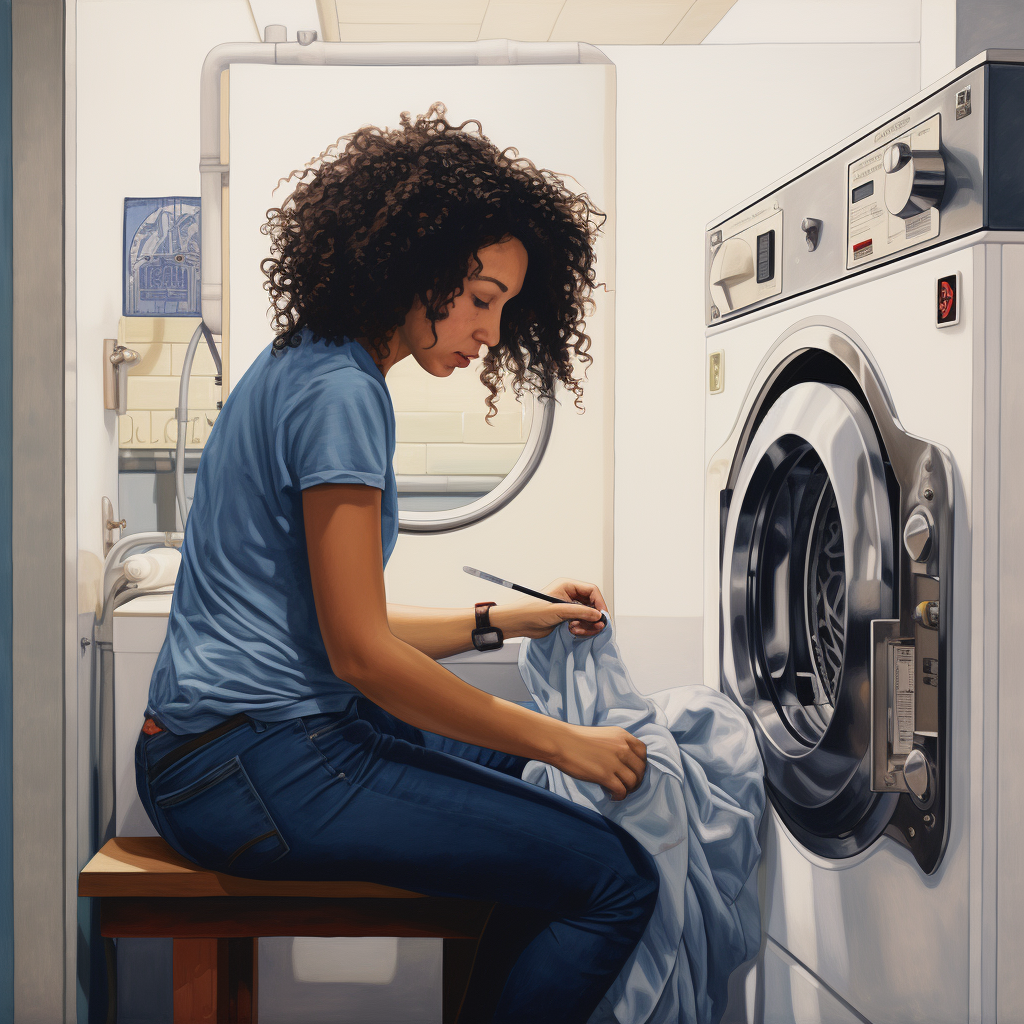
(360, 795)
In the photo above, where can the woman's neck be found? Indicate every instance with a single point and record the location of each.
(393, 352)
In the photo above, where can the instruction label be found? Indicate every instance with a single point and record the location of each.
(901, 672)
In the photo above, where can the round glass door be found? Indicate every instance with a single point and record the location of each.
(807, 564)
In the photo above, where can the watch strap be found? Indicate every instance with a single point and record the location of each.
(486, 637)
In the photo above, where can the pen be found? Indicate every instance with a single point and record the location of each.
(514, 586)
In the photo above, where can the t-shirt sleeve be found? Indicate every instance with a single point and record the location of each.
(338, 433)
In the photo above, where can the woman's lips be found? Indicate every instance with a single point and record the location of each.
(462, 360)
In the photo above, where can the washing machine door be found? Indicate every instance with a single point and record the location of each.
(807, 563)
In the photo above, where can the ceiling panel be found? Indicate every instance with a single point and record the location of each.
(411, 12)
(595, 21)
(699, 20)
(820, 21)
(610, 21)
(529, 20)
(362, 33)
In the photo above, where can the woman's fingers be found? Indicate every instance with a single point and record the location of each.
(607, 755)
(577, 590)
(617, 789)
(637, 746)
(580, 593)
(631, 768)
(637, 765)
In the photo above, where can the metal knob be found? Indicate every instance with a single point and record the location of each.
(915, 772)
(895, 157)
(811, 227)
(927, 614)
(917, 536)
(914, 179)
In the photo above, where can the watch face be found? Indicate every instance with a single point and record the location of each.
(487, 638)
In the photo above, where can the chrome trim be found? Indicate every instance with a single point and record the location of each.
(517, 478)
(827, 781)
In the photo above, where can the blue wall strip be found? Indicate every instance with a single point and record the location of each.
(6, 578)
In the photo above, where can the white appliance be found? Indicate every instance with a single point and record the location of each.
(863, 554)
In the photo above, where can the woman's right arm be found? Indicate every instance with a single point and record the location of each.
(342, 523)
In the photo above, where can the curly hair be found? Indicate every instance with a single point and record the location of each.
(396, 214)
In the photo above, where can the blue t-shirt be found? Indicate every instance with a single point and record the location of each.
(243, 633)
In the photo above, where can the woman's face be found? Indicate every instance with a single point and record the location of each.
(474, 317)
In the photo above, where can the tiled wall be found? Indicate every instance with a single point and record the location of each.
(441, 424)
(153, 383)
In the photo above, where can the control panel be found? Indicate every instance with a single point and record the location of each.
(893, 194)
(947, 165)
(744, 263)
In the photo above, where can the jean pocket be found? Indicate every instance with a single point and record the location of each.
(221, 823)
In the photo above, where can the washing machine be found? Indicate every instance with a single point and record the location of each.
(864, 554)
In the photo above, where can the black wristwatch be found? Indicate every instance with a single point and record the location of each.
(486, 637)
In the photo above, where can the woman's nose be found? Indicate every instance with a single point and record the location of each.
(489, 332)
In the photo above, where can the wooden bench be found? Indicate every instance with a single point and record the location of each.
(147, 891)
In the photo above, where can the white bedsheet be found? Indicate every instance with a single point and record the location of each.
(697, 813)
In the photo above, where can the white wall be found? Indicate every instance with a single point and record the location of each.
(938, 40)
(137, 85)
(136, 100)
(700, 128)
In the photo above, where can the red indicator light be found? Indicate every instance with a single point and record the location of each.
(946, 299)
(947, 311)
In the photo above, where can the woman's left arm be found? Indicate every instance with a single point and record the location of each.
(441, 632)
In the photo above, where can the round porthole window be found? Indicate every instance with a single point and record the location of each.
(453, 466)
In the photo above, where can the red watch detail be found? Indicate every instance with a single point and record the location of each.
(483, 616)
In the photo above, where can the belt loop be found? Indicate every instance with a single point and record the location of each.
(257, 726)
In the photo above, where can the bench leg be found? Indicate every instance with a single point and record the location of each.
(457, 963)
(215, 981)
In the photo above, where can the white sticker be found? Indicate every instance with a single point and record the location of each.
(902, 673)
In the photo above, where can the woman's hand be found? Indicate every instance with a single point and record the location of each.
(534, 618)
(607, 755)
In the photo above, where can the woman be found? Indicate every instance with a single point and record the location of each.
(299, 726)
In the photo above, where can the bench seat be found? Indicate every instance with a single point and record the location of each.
(146, 890)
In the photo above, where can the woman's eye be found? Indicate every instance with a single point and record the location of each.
(480, 304)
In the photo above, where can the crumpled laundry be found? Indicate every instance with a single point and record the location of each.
(696, 812)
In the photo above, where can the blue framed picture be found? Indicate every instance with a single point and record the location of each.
(161, 256)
